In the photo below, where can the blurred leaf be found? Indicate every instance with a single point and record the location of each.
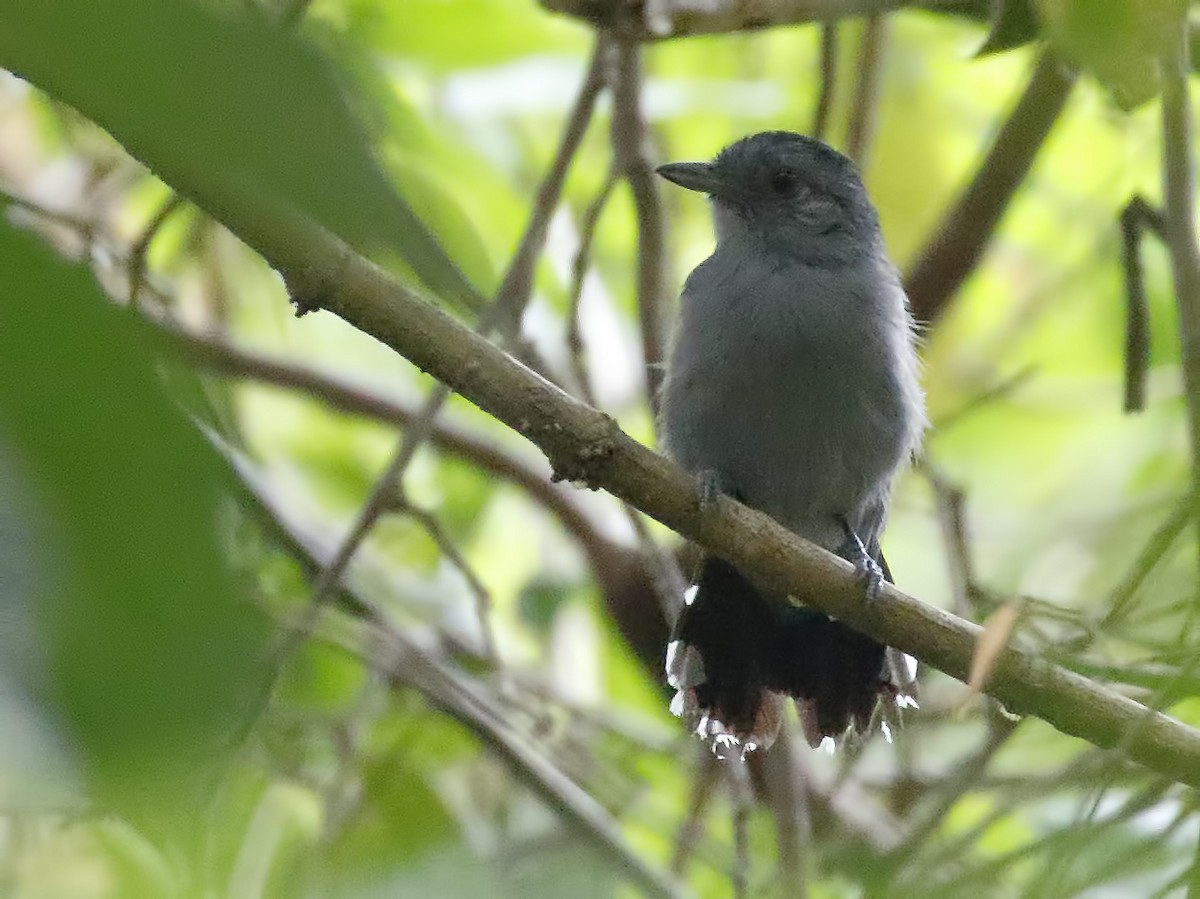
(1117, 41)
(322, 678)
(150, 650)
(994, 639)
(1014, 24)
(288, 820)
(400, 817)
(198, 97)
(143, 869)
(448, 35)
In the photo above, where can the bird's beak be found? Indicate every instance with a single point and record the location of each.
(699, 176)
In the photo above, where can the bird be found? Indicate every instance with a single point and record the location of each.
(792, 385)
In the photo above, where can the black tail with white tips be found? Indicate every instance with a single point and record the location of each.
(736, 654)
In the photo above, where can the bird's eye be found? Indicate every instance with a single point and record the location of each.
(784, 183)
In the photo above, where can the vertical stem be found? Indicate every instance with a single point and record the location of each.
(1135, 218)
(632, 159)
(829, 60)
(866, 89)
(1179, 193)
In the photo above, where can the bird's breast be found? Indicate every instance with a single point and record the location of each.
(791, 393)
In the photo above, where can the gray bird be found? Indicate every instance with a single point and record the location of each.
(792, 387)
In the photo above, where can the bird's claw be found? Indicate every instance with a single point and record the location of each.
(866, 569)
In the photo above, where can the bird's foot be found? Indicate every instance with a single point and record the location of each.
(866, 569)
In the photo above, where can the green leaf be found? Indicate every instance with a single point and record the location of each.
(448, 36)
(1014, 24)
(146, 650)
(202, 98)
(1117, 41)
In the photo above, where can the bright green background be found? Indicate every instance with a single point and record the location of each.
(133, 587)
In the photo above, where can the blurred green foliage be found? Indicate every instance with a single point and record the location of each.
(134, 599)
(147, 649)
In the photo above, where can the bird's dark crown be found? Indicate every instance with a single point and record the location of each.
(819, 165)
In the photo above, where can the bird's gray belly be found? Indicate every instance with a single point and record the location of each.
(806, 439)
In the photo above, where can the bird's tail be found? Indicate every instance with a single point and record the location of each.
(737, 654)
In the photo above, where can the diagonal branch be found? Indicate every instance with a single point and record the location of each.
(626, 578)
(626, 21)
(513, 293)
(958, 243)
(583, 445)
(586, 446)
(504, 315)
(407, 665)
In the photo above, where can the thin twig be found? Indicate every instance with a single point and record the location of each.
(969, 883)
(1059, 868)
(828, 70)
(631, 157)
(951, 849)
(1179, 227)
(944, 797)
(513, 294)
(504, 313)
(866, 89)
(625, 577)
(958, 243)
(457, 697)
(666, 578)
(141, 247)
(1160, 542)
(785, 791)
(447, 547)
(576, 350)
(381, 493)
(708, 767)
(1134, 727)
(1136, 218)
(84, 227)
(741, 798)
(219, 355)
(631, 160)
(668, 582)
(998, 391)
(950, 503)
(514, 291)
(405, 664)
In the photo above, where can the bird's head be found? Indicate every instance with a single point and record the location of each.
(787, 192)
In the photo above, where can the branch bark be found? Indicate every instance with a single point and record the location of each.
(627, 22)
(586, 446)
